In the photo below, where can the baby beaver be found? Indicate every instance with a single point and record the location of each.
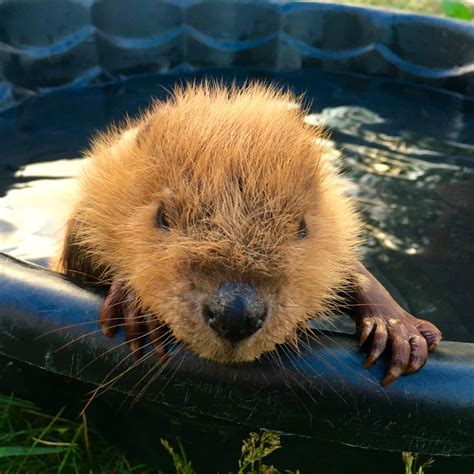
(217, 215)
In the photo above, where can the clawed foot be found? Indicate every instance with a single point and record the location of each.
(383, 324)
(408, 338)
(121, 308)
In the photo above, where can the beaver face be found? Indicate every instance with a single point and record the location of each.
(218, 210)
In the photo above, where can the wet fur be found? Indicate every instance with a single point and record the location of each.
(237, 170)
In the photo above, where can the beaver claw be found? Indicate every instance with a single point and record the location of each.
(382, 323)
(409, 338)
(121, 308)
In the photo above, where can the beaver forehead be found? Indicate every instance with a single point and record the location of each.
(255, 168)
(240, 204)
(257, 179)
(249, 195)
(215, 138)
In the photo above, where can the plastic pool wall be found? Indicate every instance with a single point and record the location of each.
(45, 46)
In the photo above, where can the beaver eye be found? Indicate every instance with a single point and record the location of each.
(162, 219)
(302, 230)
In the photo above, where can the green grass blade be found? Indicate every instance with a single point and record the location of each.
(10, 451)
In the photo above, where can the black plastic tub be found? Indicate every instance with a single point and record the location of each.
(397, 92)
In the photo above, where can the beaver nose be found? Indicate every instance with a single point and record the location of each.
(235, 311)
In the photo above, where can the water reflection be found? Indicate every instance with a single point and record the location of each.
(34, 210)
(419, 214)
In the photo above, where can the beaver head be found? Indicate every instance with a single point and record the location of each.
(218, 209)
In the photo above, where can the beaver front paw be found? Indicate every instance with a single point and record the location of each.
(409, 338)
(122, 308)
(378, 315)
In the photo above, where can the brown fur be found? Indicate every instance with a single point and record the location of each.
(237, 170)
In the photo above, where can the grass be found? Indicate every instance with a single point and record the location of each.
(34, 442)
(462, 10)
(414, 464)
(254, 450)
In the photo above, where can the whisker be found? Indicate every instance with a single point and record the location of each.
(63, 328)
(114, 348)
(296, 379)
(313, 337)
(285, 374)
(82, 336)
(177, 349)
(106, 384)
(168, 337)
(160, 369)
(327, 365)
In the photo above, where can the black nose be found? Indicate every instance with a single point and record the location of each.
(235, 311)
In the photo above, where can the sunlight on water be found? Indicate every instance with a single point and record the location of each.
(34, 210)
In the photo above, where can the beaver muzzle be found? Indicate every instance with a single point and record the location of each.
(235, 311)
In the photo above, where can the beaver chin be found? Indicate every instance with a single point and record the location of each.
(227, 353)
(215, 348)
